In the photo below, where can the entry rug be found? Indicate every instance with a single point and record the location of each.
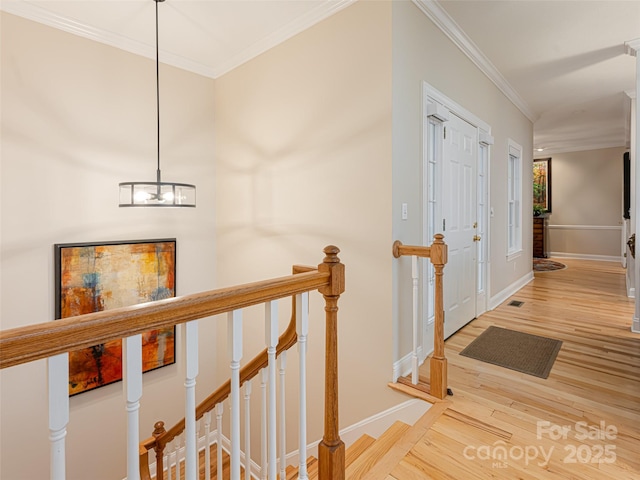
(544, 265)
(523, 352)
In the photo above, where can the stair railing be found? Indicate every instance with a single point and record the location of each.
(437, 254)
(160, 437)
(53, 340)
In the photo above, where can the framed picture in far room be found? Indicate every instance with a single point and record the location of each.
(542, 184)
(92, 277)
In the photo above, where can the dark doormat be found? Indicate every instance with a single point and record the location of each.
(523, 352)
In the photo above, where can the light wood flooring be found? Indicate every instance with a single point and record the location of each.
(595, 380)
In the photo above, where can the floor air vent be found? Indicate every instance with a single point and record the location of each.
(516, 303)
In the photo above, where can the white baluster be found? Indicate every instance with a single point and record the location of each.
(271, 333)
(190, 335)
(302, 329)
(247, 430)
(167, 461)
(283, 416)
(177, 442)
(58, 378)
(219, 412)
(132, 376)
(199, 467)
(263, 423)
(235, 352)
(207, 447)
(414, 355)
(183, 450)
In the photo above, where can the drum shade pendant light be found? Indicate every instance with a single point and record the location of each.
(158, 193)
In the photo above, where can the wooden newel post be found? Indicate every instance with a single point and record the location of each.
(438, 363)
(331, 457)
(159, 431)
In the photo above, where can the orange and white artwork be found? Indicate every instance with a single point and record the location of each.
(96, 277)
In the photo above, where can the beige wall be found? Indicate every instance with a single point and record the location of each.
(78, 117)
(303, 160)
(421, 52)
(586, 204)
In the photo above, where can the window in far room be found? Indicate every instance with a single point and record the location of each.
(514, 198)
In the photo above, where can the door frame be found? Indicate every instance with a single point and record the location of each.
(436, 110)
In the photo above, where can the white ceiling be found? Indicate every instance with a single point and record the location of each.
(563, 62)
(566, 59)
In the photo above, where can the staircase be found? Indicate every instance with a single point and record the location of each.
(370, 459)
(367, 458)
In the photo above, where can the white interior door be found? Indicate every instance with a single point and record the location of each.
(459, 214)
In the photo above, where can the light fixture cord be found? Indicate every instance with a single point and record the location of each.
(158, 92)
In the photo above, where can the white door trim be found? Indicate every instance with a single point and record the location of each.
(429, 92)
(435, 107)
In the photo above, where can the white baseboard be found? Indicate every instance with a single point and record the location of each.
(510, 290)
(408, 412)
(635, 326)
(584, 256)
(631, 292)
(403, 366)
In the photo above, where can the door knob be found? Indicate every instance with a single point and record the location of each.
(477, 238)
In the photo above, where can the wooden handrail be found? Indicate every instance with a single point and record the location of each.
(34, 342)
(419, 251)
(437, 254)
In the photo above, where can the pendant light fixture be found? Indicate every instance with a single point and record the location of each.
(158, 193)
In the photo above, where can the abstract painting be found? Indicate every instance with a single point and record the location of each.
(92, 277)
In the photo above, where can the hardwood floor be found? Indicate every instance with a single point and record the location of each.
(504, 424)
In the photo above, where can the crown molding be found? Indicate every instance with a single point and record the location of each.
(46, 17)
(633, 47)
(450, 28)
(41, 15)
(582, 148)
